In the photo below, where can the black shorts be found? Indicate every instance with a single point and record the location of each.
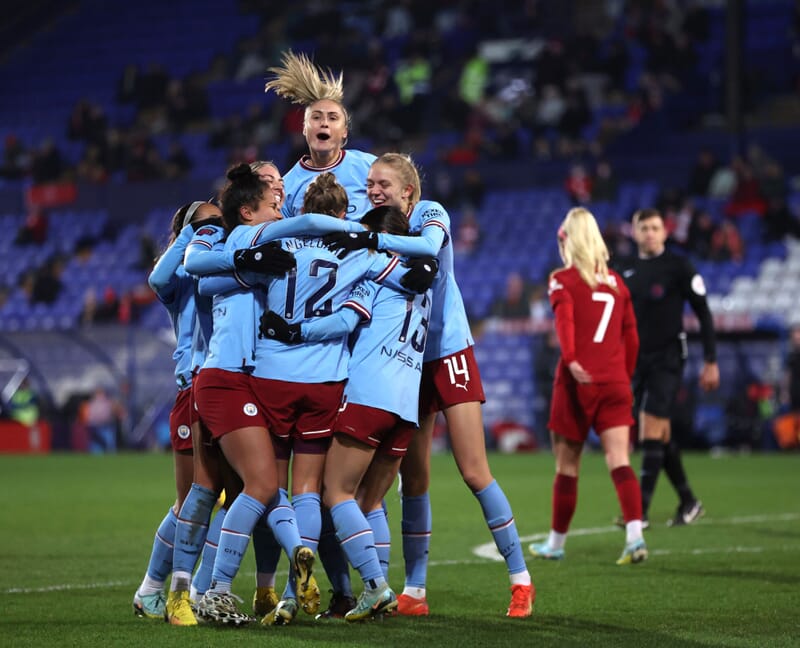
(657, 380)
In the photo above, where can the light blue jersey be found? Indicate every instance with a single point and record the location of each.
(319, 285)
(350, 169)
(449, 328)
(176, 290)
(236, 312)
(202, 259)
(387, 353)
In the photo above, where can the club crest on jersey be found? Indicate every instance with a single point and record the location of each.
(184, 432)
(206, 231)
(657, 291)
(250, 409)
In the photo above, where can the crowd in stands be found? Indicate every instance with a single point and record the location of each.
(413, 68)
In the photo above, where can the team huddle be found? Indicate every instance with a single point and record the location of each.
(320, 331)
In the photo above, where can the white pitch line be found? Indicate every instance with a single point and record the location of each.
(61, 588)
(489, 551)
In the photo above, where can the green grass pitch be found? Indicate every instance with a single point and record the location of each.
(76, 532)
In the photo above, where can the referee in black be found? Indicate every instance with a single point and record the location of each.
(660, 283)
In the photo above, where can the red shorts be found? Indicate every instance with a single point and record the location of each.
(302, 411)
(575, 408)
(450, 380)
(194, 416)
(225, 402)
(180, 421)
(376, 428)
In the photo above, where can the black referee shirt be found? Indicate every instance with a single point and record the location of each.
(659, 288)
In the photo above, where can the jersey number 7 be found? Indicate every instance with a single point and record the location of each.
(605, 318)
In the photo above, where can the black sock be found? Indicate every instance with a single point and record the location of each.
(673, 466)
(652, 460)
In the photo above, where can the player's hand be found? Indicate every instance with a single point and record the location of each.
(421, 273)
(341, 243)
(579, 373)
(267, 258)
(709, 376)
(274, 327)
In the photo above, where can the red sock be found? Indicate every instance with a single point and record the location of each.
(565, 496)
(628, 492)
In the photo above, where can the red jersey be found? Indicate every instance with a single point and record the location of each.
(596, 327)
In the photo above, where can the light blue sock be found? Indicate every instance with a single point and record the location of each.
(357, 542)
(333, 559)
(416, 526)
(498, 515)
(191, 529)
(379, 523)
(202, 577)
(160, 564)
(266, 549)
(233, 540)
(309, 518)
(282, 519)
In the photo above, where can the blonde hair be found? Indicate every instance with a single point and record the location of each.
(582, 246)
(405, 168)
(302, 82)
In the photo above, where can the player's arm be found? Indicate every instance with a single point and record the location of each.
(435, 231)
(411, 277)
(428, 243)
(203, 256)
(226, 282)
(306, 225)
(162, 278)
(694, 291)
(356, 309)
(630, 336)
(564, 311)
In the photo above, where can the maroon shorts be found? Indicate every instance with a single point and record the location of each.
(376, 428)
(450, 380)
(304, 412)
(575, 408)
(180, 421)
(225, 402)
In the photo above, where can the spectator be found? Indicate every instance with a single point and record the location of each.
(15, 159)
(779, 221)
(47, 283)
(701, 232)
(474, 189)
(103, 310)
(604, 185)
(578, 185)
(413, 78)
(47, 164)
(23, 406)
(178, 162)
(103, 417)
(773, 182)
(701, 174)
(468, 233)
(787, 426)
(726, 243)
(515, 303)
(746, 196)
(91, 168)
(34, 229)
